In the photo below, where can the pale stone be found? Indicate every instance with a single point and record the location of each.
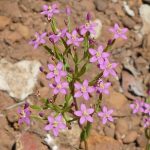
(98, 29)
(145, 15)
(128, 10)
(18, 79)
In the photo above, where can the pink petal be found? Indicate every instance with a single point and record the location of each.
(92, 51)
(83, 107)
(86, 96)
(89, 118)
(78, 94)
(82, 120)
(78, 113)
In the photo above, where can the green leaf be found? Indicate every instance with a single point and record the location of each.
(36, 107)
(85, 132)
(49, 50)
(82, 71)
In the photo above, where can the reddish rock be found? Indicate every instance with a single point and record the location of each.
(30, 141)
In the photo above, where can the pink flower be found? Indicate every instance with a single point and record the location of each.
(56, 37)
(88, 27)
(146, 122)
(24, 115)
(73, 38)
(83, 90)
(106, 115)
(39, 40)
(137, 106)
(118, 32)
(84, 114)
(147, 108)
(108, 68)
(49, 11)
(55, 124)
(59, 87)
(102, 87)
(56, 72)
(98, 55)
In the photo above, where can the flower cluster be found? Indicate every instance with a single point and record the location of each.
(139, 106)
(65, 78)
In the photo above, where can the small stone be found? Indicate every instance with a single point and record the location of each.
(99, 142)
(19, 79)
(128, 10)
(4, 21)
(145, 15)
(118, 102)
(146, 1)
(130, 137)
(100, 5)
(23, 31)
(109, 131)
(30, 141)
(98, 29)
(142, 140)
(128, 22)
(122, 126)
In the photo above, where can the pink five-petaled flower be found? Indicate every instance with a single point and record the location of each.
(56, 37)
(49, 11)
(24, 115)
(84, 114)
(83, 90)
(98, 55)
(137, 106)
(146, 122)
(147, 108)
(39, 39)
(88, 27)
(118, 32)
(56, 71)
(102, 87)
(55, 124)
(73, 38)
(108, 68)
(105, 114)
(59, 87)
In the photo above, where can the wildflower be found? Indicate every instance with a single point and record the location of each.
(55, 124)
(118, 32)
(56, 72)
(83, 90)
(98, 55)
(88, 17)
(84, 114)
(147, 108)
(108, 68)
(106, 115)
(137, 106)
(146, 122)
(59, 87)
(102, 87)
(73, 39)
(88, 27)
(49, 11)
(56, 37)
(24, 115)
(39, 40)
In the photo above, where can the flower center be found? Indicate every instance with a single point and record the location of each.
(101, 85)
(87, 24)
(23, 114)
(119, 31)
(109, 65)
(55, 124)
(83, 89)
(74, 37)
(98, 54)
(59, 86)
(49, 7)
(85, 113)
(55, 71)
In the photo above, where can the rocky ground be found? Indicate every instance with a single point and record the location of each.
(20, 19)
